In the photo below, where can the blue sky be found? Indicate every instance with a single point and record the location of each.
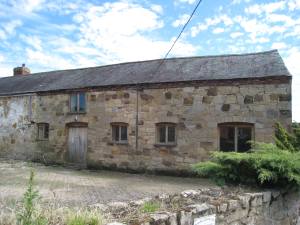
(62, 34)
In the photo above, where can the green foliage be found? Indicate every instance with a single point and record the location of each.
(150, 207)
(264, 165)
(84, 218)
(285, 140)
(28, 214)
(296, 133)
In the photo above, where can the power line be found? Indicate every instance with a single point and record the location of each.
(183, 28)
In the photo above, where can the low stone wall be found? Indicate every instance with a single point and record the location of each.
(214, 207)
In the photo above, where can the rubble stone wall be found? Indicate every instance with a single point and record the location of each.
(214, 207)
(196, 110)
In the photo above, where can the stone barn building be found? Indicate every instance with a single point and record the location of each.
(149, 115)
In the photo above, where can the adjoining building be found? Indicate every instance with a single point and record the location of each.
(144, 115)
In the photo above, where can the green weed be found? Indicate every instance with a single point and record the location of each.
(28, 213)
(85, 217)
(150, 207)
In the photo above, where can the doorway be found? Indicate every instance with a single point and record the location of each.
(77, 144)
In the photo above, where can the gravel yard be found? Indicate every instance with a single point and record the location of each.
(69, 187)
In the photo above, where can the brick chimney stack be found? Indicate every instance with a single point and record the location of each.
(23, 70)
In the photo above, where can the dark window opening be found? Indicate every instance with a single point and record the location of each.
(43, 131)
(78, 103)
(166, 133)
(235, 137)
(119, 133)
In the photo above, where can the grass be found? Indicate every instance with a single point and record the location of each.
(150, 207)
(84, 217)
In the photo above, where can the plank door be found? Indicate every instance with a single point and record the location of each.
(77, 146)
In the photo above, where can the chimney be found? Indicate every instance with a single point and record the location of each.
(23, 70)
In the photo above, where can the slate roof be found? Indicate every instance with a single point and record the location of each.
(222, 67)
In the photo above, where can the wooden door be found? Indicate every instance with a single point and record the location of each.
(77, 146)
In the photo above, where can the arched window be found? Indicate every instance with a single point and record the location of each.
(236, 136)
(166, 133)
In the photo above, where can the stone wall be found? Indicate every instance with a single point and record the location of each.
(196, 111)
(211, 207)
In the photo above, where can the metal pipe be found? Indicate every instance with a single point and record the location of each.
(137, 120)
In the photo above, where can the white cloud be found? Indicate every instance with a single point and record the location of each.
(258, 9)
(294, 4)
(2, 58)
(236, 34)
(260, 40)
(10, 27)
(292, 62)
(279, 45)
(157, 8)
(235, 2)
(120, 18)
(27, 6)
(294, 32)
(218, 30)
(5, 70)
(47, 60)
(181, 20)
(2, 35)
(117, 31)
(33, 41)
(186, 1)
(209, 22)
(287, 20)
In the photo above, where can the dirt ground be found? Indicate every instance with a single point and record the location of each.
(83, 187)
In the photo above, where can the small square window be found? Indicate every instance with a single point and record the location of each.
(166, 133)
(43, 131)
(119, 133)
(78, 103)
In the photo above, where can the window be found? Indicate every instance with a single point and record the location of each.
(166, 133)
(235, 136)
(77, 103)
(43, 131)
(119, 132)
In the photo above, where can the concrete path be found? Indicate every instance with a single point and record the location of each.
(71, 187)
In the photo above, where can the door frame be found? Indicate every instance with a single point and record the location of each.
(76, 125)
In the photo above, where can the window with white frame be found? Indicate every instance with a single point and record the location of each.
(236, 136)
(78, 102)
(166, 133)
(43, 131)
(119, 133)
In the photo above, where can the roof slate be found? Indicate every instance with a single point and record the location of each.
(223, 67)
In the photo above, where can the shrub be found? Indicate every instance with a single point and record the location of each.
(264, 165)
(150, 207)
(28, 214)
(285, 140)
(85, 217)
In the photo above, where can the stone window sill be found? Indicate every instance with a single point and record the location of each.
(119, 143)
(165, 145)
(76, 113)
(41, 139)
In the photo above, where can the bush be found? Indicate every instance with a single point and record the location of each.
(285, 140)
(264, 165)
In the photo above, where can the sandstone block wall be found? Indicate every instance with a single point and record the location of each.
(196, 111)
